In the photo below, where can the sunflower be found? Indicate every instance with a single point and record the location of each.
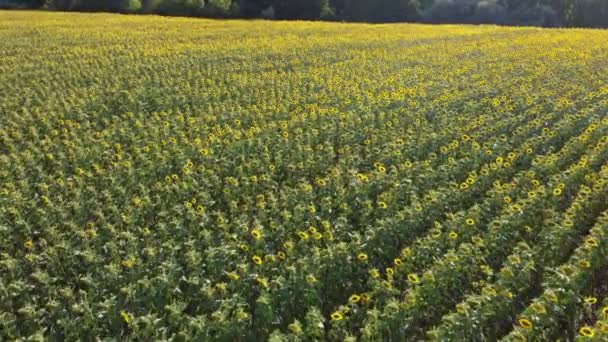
(584, 264)
(590, 300)
(591, 242)
(477, 240)
(365, 297)
(256, 234)
(525, 323)
(337, 316)
(257, 260)
(242, 315)
(262, 281)
(587, 331)
(410, 299)
(303, 235)
(125, 316)
(374, 273)
(539, 308)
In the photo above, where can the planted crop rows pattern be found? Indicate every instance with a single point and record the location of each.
(171, 178)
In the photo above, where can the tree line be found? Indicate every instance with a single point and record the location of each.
(548, 13)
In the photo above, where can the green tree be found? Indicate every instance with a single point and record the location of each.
(380, 10)
(298, 9)
(588, 13)
(253, 8)
(217, 8)
(180, 7)
(150, 6)
(125, 6)
(398, 10)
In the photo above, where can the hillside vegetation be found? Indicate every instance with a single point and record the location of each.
(193, 179)
(547, 13)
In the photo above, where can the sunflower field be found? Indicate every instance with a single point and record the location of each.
(213, 180)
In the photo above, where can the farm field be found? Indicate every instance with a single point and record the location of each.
(192, 179)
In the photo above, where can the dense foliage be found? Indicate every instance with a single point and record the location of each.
(234, 180)
(550, 13)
